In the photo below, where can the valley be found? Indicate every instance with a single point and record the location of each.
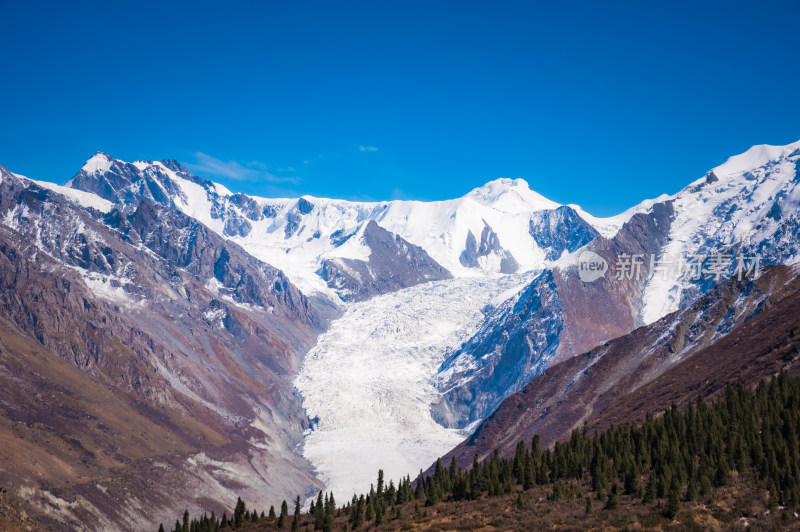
(369, 383)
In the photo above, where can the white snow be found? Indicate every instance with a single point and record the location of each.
(755, 157)
(511, 195)
(84, 199)
(713, 216)
(99, 162)
(370, 382)
(110, 288)
(196, 204)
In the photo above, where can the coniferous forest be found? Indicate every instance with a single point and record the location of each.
(736, 460)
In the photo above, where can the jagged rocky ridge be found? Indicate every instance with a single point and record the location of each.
(334, 248)
(393, 264)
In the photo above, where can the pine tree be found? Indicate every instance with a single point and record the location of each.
(297, 512)
(370, 513)
(331, 507)
(673, 501)
(419, 493)
(611, 503)
(272, 511)
(284, 514)
(328, 523)
(238, 512)
(357, 516)
(649, 492)
(297, 509)
(530, 475)
(380, 483)
(588, 505)
(319, 512)
(691, 491)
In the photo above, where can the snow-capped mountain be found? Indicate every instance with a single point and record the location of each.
(329, 246)
(173, 291)
(741, 215)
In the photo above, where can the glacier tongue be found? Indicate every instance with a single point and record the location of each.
(369, 380)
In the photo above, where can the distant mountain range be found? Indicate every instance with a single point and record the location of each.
(154, 321)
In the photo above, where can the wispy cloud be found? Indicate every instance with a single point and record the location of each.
(398, 194)
(367, 148)
(208, 166)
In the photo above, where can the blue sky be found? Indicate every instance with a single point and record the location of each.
(599, 103)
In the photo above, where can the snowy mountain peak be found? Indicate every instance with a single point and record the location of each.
(495, 189)
(99, 162)
(511, 195)
(755, 157)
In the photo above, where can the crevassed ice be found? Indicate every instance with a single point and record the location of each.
(369, 380)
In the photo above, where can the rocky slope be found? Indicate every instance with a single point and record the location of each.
(740, 332)
(185, 342)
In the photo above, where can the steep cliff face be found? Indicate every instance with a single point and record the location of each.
(489, 250)
(225, 267)
(393, 264)
(561, 230)
(193, 336)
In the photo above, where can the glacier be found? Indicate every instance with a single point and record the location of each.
(369, 382)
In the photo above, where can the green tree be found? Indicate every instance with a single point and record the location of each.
(238, 513)
(297, 512)
(673, 501)
(284, 514)
(611, 503)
